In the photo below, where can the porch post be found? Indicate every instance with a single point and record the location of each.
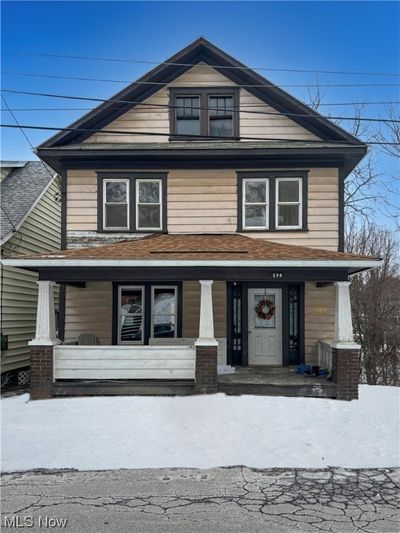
(206, 345)
(345, 352)
(41, 347)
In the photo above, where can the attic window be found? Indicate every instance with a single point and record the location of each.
(206, 112)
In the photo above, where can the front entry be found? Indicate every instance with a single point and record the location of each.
(265, 326)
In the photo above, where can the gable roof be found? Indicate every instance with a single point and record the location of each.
(20, 190)
(201, 50)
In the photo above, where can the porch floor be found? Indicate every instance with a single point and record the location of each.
(275, 381)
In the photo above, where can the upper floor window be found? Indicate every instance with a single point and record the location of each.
(255, 203)
(131, 202)
(205, 112)
(288, 205)
(272, 202)
(187, 115)
(116, 204)
(148, 204)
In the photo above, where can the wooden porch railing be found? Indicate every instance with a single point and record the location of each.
(124, 362)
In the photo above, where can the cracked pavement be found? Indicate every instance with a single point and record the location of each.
(219, 500)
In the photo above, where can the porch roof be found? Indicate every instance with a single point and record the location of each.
(185, 250)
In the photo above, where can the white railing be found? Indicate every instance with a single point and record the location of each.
(325, 354)
(124, 362)
(189, 341)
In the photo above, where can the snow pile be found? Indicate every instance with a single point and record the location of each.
(201, 431)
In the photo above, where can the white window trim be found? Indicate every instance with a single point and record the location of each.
(137, 203)
(130, 287)
(105, 203)
(266, 204)
(278, 203)
(153, 288)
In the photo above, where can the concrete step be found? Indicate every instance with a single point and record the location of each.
(311, 390)
(122, 387)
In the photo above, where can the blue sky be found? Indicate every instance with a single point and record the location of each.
(345, 36)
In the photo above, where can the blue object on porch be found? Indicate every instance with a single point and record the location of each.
(303, 369)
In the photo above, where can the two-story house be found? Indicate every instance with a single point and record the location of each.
(202, 216)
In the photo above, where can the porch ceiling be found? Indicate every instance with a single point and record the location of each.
(228, 252)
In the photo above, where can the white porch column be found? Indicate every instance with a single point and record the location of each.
(206, 328)
(45, 318)
(343, 323)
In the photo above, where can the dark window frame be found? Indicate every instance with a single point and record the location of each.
(132, 177)
(147, 308)
(203, 93)
(272, 177)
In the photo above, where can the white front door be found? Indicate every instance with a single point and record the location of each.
(265, 327)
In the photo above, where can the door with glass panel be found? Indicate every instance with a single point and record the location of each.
(265, 326)
(131, 315)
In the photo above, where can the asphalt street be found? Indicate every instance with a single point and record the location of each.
(219, 500)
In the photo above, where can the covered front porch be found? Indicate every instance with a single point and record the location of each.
(188, 325)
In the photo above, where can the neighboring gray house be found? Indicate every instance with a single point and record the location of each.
(30, 218)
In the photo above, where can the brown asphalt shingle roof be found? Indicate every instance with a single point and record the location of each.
(199, 247)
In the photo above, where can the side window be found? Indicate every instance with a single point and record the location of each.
(255, 203)
(116, 204)
(288, 203)
(148, 204)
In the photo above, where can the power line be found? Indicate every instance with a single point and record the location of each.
(227, 67)
(385, 102)
(186, 136)
(164, 84)
(169, 106)
(26, 137)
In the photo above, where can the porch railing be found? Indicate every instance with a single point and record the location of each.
(325, 354)
(124, 362)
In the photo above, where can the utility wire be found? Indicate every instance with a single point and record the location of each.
(227, 67)
(164, 84)
(188, 137)
(26, 137)
(386, 102)
(169, 106)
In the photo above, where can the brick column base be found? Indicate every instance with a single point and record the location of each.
(346, 372)
(41, 372)
(206, 369)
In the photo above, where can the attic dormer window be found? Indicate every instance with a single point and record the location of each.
(204, 112)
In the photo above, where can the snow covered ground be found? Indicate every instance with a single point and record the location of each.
(201, 431)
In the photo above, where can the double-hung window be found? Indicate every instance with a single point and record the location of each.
(148, 204)
(288, 203)
(221, 116)
(116, 204)
(255, 203)
(204, 112)
(272, 201)
(188, 115)
(132, 202)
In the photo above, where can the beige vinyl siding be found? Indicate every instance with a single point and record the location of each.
(39, 233)
(205, 201)
(319, 320)
(148, 117)
(89, 310)
(191, 308)
(202, 201)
